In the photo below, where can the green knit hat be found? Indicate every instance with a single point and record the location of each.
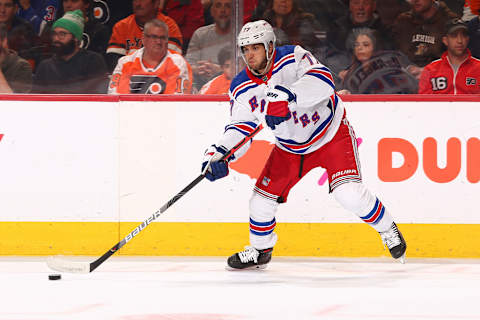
(72, 21)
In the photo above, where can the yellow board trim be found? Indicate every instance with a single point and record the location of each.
(222, 239)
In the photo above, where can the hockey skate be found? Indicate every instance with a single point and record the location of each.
(250, 258)
(394, 241)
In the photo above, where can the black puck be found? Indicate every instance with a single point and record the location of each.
(54, 277)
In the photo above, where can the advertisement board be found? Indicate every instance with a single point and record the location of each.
(421, 159)
(58, 161)
(78, 174)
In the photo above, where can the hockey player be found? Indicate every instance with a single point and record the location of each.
(287, 88)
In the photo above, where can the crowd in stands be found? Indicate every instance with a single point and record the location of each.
(188, 46)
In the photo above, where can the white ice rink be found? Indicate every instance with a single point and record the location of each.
(201, 289)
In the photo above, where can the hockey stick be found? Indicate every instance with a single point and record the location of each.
(61, 264)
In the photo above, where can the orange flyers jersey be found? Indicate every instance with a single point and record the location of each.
(172, 76)
(127, 35)
(218, 85)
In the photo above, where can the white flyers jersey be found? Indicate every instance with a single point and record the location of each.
(314, 118)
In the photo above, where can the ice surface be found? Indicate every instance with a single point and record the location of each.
(152, 288)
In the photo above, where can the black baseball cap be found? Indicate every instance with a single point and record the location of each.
(454, 25)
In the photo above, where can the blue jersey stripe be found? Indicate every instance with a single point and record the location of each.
(285, 63)
(322, 77)
(245, 133)
(245, 89)
(314, 134)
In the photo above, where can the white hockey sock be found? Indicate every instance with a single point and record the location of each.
(356, 198)
(262, 222)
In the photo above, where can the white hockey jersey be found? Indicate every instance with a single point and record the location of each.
(315, 117)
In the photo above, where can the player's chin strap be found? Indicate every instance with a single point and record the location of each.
(269, 63)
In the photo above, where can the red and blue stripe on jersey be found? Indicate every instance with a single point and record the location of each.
(322, 73)
(283, 57)
(241, 84)
(376, 214)
(244, 128)
(262, 228)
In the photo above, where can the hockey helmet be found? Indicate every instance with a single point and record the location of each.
(257, 32)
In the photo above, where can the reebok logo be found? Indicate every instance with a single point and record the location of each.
(272, 95)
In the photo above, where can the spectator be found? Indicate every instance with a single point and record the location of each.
(95, 35)
(127, 33)
(249, 8)
(21, 36)
(456, 6)
(152, 69)
(474, 7)
(474, 33)
(418, 32)
(221, 83)
(456, 72)
(325, 11)
(109, 12)
(206, 43)
(188, 14)
(470, 10)
(375, 71)
(361, 15)
(301, 27)
(389, 10)
(15, 72)
(38, 12)
(71, 69)
(336, 61)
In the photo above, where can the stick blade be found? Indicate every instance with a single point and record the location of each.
(61, 264)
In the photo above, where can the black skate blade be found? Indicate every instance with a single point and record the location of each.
(257, 267)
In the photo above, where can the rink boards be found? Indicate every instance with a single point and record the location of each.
(78, 174)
